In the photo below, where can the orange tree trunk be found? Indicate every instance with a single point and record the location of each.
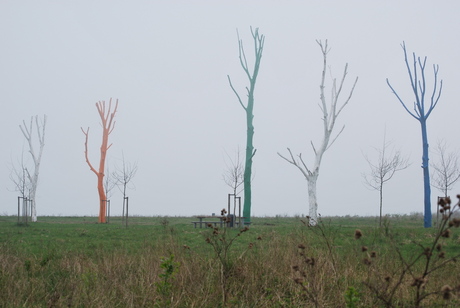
(107, 127)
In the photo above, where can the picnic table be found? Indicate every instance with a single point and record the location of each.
(213, 220)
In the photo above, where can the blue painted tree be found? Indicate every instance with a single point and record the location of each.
(421, 114)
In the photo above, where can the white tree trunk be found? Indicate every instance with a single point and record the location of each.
(313, 205)
(33, 179)
(330, 113)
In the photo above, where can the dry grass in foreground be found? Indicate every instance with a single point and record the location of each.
(328, 265)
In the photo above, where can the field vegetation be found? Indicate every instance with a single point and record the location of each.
(277, 262)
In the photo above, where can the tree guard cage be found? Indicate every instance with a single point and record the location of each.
(26, 203)
(233, 217)
(124, 216)
(107, 209)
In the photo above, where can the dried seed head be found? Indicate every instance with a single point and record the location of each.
(310, 261)
(364, 248)
(448, 201)
(223, 212)
(208, 240)
(446, 233)
(373, 254)
(259, 238)
(301, 246)
(298, 280)
(446, 292)
(387, 278)
(366, 261)
(456, 222)
(358, 234)
(295, 268)
(419, 282)
(442, 202)
(439, 247)
(186, 247)
(427, 251)
(209, 225)
(250, 245)
(442, 254)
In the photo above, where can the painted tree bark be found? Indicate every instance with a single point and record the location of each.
(421, 114)
(249, 109)
(33, 178)
(108, 124)
(330, 114)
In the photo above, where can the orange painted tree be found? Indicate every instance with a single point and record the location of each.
(108, 125)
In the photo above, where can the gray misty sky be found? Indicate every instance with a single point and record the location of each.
(167, 63)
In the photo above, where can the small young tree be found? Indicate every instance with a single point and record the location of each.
(383, 169)
(122, 177)
(109, 184)
(330, 114)
(234, 176)
(421, 114)
(27, 131)
(259, 41)
(108, 125)
(21, 180)
(446, 170)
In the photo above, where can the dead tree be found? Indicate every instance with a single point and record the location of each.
(108, 124)
(27, 131)
(421, 113)
(259, 41)
(330, 113)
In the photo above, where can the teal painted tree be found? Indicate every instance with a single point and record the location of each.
(421, 114)
(249, 108)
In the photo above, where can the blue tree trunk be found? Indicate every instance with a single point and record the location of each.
(426, 175)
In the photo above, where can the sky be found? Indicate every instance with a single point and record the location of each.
(167, 64)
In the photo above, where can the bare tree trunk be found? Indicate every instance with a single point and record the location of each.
(108, 125)
(313, 205)
(330, 114)
(421, 113)
(249, 107)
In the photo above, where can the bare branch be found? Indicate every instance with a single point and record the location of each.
(86, 133)
(236, 93)
(446, 170)
(330, 112)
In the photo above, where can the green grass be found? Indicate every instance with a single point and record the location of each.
(62, 260)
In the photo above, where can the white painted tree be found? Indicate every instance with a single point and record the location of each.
(27, 131)
(330, 113)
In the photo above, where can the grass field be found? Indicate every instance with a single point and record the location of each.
(278, 262)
